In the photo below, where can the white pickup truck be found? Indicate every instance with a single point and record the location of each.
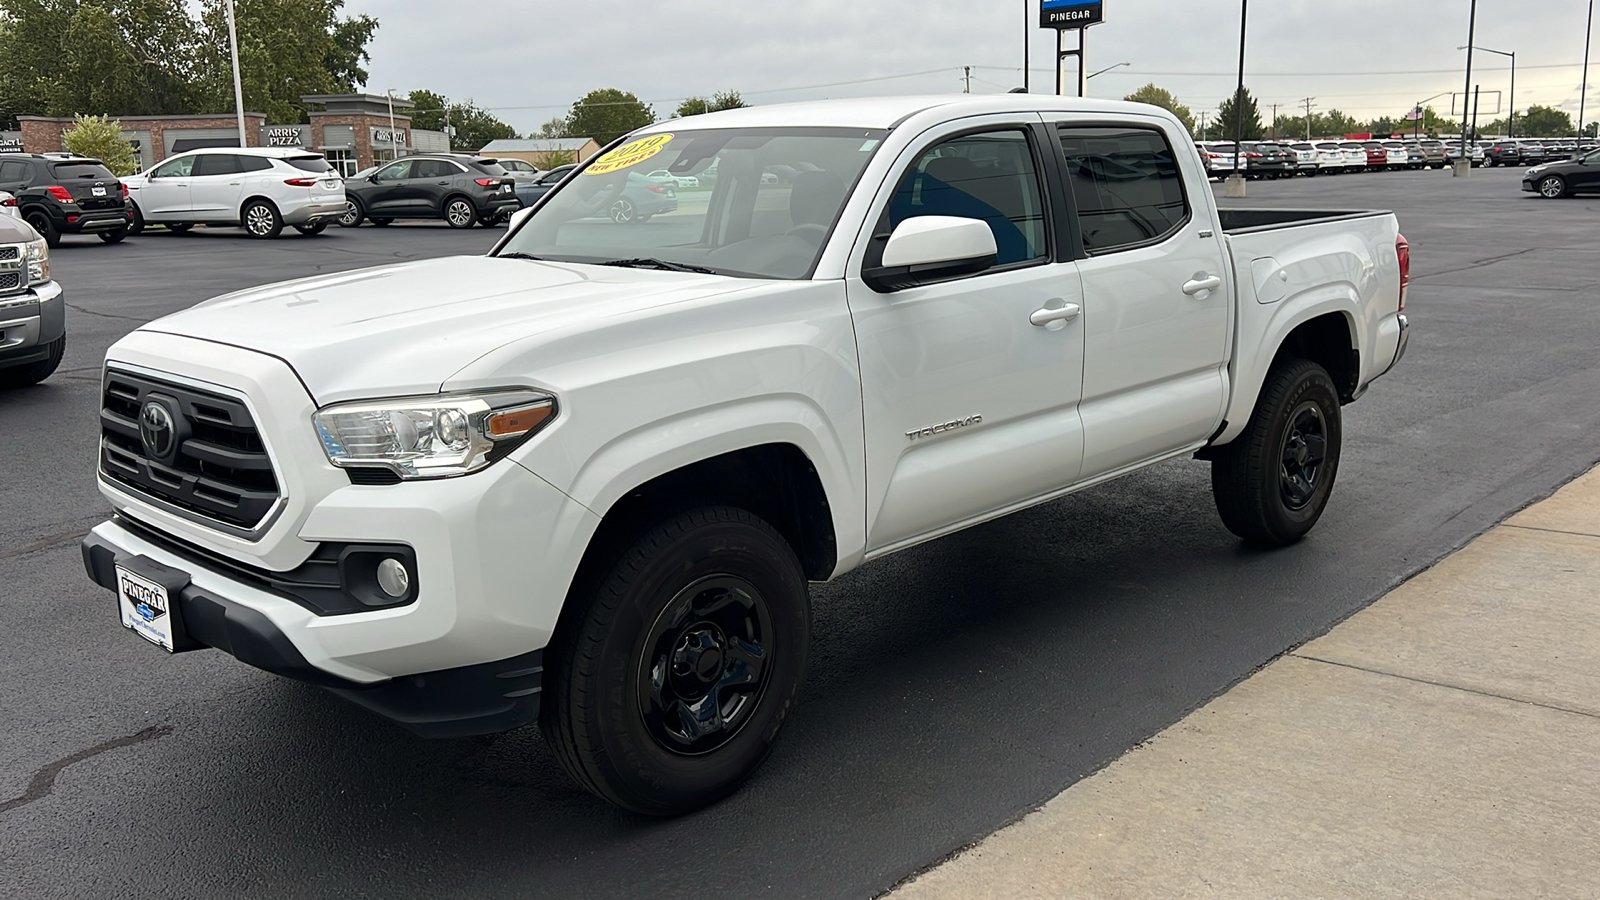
(586, 478)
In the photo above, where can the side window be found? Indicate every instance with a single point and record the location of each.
(432, 168)
(395, 172)
(175, 168)
(1127, 186)
(989, 176)
(253, 163)
(13, 172)
(215, 164)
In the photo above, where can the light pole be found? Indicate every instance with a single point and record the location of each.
(1583, 92)
(393, 153)
(1422, 112)
(1107, 69)
(1027, 7)
(1234, 187)
(1511, 125)
(233, 53)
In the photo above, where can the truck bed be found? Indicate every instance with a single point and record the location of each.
(1246, 221)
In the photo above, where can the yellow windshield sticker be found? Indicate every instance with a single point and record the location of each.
(629, 154)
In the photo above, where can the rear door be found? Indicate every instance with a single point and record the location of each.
(969, 407)
(216, 185)
(1156, 301)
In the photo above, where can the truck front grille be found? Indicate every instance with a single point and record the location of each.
(11, 270)
(195, 451)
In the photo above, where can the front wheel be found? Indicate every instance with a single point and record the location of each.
(261, 219)
(351, 217)
(1273, 482)
(666, 685)
(1552, 187)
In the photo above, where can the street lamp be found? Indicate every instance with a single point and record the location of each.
(1107, 69)
(1511, 125)
(393, 152)
(233, 53)
(1423, 113)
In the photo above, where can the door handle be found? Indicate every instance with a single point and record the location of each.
(1201, 285)
(443, 182)
(1043, 317)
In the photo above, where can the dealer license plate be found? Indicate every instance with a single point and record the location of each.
(99, 191)
(146, 607)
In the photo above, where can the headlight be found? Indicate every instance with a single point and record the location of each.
(432, 437)
(38, 257)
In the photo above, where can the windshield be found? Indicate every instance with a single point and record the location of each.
(753, 202)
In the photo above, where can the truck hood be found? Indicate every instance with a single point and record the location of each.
(406, 328)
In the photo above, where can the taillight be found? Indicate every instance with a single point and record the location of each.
(60, 193)
(1254, 155)
(1402, 249)
(655, 189)
(9, 201)
(486, 182)
(300, 182)
(124, 190)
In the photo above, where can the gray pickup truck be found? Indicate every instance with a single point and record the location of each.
(33, 317)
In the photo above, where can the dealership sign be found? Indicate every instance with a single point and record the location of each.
(1066, 15)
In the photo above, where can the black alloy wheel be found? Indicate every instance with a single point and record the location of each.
(352, 215)
(1272, 483)
(677, 661)
(40, 221)
(458, 213)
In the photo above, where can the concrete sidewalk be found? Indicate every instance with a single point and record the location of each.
(1444, 742)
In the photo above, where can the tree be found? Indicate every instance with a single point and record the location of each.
(555, 128)
(1252, 117)
(607, 114)
(474, 127)
(1545, 121)
(694, 106)
(101, 138)
(287, 48)
(1163, 98)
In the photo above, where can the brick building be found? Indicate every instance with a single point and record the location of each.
(352, 130)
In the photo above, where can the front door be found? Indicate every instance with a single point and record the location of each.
(970, 409)
(1156, 305)
(165, 194)
(1586, 177)
(388, 198)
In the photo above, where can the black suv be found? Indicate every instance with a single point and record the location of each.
(463, 190)
(58, 193)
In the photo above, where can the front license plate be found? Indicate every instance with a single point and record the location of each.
(146, 605)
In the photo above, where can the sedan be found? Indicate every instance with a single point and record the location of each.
(1559, 179)
(662, 176)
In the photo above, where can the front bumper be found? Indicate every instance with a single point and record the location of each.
(1530, 185)
(29, 323)
(467, 700)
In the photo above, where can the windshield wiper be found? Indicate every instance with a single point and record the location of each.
(646, 262)
(518, 254)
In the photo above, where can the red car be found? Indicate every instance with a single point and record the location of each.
(1377, 156)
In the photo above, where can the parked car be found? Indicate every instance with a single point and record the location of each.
(1219, 157)
(529, 191)
(586, 479)
(662, 176)
(461, 189)
(1305, 158)
(1398, 156)
(33, 316)
(1377, 156)
(1330, 157)
(1475, 152)
(61, 193)
(1266, 159)
(520, 170)
(260, 189)
(1502, 153)
(8, 206)
(1355, 156)
(1579, 175)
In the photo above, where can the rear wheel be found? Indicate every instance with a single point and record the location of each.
(458, 212)
(1552, 187)
(42, 223)
(667, 686)
(622, 211)
(136, 220)
(1273, 482)
(261, 219)
(33, 373)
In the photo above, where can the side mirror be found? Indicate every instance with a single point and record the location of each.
(928, 249)
(373, 178)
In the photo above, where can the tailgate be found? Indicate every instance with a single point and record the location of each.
(91, 185)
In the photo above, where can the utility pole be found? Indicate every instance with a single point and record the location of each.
(1204, 133)
(1309, 104)
(1583, 92)
(1027, 7)
(1274, 121)
(1466, 88)
(1235, 183)
(233, 53)
(968, 88)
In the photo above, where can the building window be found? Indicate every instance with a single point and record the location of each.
(344, 161)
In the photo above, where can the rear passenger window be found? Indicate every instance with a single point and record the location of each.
(988, 176)
(1126, 184)
(253, 163)
(216, 164)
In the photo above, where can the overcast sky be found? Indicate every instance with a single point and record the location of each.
(528, 62)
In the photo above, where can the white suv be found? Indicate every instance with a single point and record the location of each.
(261, 189)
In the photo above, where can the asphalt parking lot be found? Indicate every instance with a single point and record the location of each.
(953, 687)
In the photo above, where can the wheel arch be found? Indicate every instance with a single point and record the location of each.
(245, 204)
(456, 195)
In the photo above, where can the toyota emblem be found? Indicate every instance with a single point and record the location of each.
(157, 431)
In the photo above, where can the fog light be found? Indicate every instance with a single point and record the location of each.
(393, 577)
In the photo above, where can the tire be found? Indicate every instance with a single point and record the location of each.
(136, 222)
(1270, 486)
(261, 219)
(179, 227)
(33, 373)
(46, 227)
(315, 228)
(666, 608)
(381, 223)
(352, 215)
(114, 236)
(1552, 187)
(458, 213)
(622, 211)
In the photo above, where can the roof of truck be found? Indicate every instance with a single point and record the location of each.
(886, 112)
